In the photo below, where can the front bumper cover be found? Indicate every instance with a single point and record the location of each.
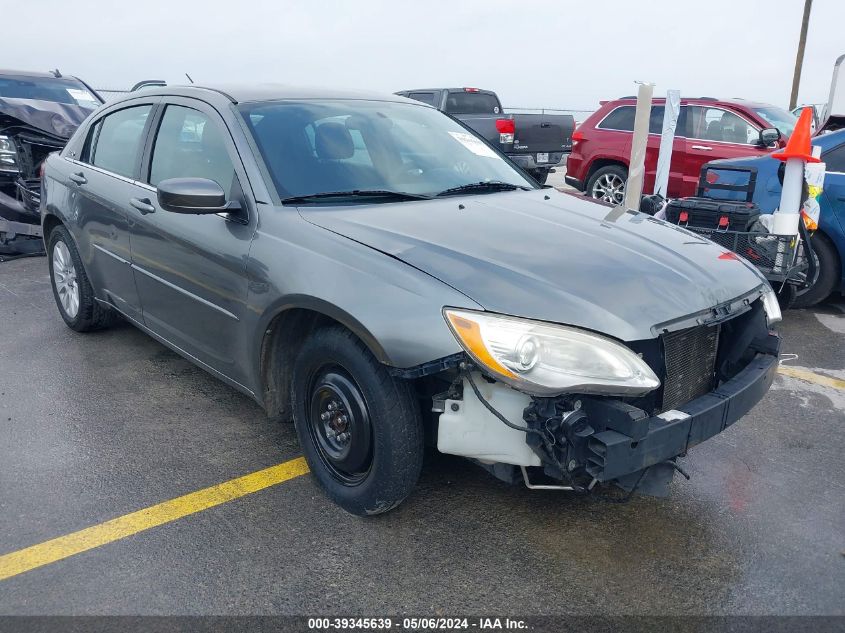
(611, 454)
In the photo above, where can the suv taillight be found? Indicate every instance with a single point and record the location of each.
(506, 129)
(576, 137)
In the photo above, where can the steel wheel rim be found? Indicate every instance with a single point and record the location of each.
(64, 279)
(339, 425)
(609, 188)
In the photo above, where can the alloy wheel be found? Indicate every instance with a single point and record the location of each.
(64, 279)
(609, 188)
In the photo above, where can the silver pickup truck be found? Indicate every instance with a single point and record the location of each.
(535, 142)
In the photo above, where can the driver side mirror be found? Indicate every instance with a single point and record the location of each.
(769, 136)
(199, 196)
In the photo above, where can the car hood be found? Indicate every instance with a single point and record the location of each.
(55, 119)
(553, 257)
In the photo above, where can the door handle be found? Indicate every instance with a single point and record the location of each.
(79, 178)
(706, 148)
(143, 206)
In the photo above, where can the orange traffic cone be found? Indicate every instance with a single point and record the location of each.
(798, 145)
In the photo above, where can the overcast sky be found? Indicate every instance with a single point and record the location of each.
(564, 54)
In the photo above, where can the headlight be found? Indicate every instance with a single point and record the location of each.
(771, 306)
(545, 359)
(8, 155)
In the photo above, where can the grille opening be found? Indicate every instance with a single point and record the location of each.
(690, 361)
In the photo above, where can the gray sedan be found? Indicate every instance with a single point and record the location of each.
(372, 269)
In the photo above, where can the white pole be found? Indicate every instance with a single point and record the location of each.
(786, 216)
(667, 138)
(636, 166)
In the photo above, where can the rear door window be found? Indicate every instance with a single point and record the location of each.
(119, 139)
(622, 119)
(189, 144)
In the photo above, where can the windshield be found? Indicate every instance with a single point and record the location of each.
(776, 117)
(57, 90)
(329, 146)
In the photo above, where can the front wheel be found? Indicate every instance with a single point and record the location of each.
(608, 184)
(359, 427)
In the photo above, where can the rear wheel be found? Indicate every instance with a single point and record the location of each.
(359, 427)
(608, 184)
(827, 275)
(71, 288)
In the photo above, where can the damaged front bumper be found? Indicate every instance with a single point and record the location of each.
(651, 440)
(579, 441)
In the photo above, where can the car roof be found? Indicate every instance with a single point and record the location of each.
(462, 89)
(29, 73)
(743, 103)
(265, 92)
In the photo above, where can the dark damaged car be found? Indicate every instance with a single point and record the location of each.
(38, 114)
(375, 271)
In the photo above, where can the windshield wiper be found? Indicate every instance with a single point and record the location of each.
(476, 187)
(356, 193)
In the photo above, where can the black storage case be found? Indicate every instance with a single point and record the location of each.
(706, 213)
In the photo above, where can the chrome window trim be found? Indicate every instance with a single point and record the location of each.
(741, 116)
(689, 138)
(102, 171)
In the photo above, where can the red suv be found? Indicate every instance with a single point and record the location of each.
(707, 129)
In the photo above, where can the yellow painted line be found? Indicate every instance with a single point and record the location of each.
(23, 560)
(810, 376)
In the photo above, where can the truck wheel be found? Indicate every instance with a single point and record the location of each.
(540, 175)
(828, 274)
(71, 288)
(359, 427)
(608, 184)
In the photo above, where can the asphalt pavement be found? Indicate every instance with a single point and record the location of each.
(95, 426)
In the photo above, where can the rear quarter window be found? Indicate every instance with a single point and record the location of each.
(622, 118)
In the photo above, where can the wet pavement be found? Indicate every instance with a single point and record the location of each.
(94, 426)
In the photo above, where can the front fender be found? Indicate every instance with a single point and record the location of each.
(394, 308)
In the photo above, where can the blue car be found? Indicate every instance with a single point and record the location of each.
(828, 242)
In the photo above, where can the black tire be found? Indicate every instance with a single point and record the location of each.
(598, 178)
(828, 274)
(540, 175)
(90, 315)
(375, 467)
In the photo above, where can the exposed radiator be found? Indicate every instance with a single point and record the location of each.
(690, 357)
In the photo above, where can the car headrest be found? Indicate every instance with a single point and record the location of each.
(333, 141)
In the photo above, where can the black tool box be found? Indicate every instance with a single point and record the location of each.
(706, 213)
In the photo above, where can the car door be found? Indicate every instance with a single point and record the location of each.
(832, 220)
(100, 183)
(190, 270)
(713, 133)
